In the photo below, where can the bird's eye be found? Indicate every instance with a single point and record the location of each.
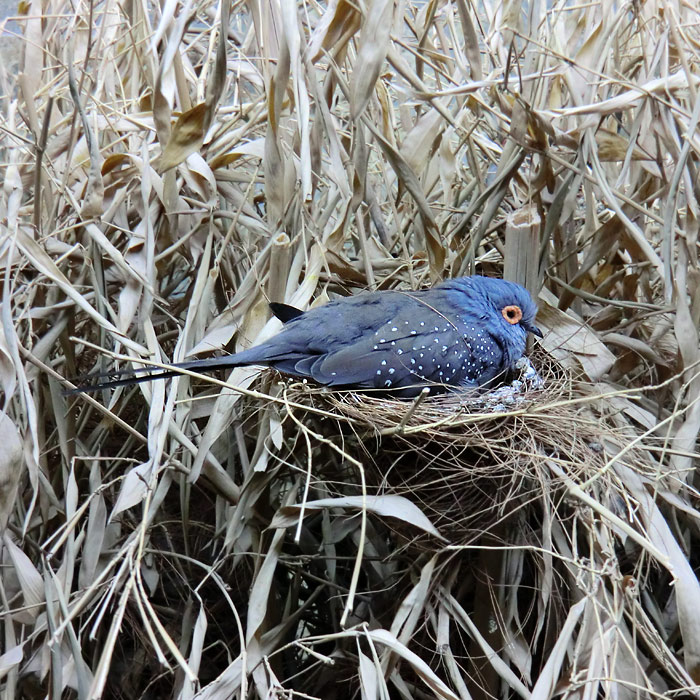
(512, 314)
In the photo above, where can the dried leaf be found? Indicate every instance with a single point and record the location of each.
(384, 506)
(11, 658)
(186, 137)
(369, 677)
(374, 45)
(133, 490)
(30, 581)
(419, 666)
(573, 343)
(10, 467)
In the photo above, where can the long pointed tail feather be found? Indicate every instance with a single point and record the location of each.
(111, 380)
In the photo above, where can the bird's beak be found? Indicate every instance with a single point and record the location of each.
(534, 330)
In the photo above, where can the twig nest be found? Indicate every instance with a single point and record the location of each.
(472, 459)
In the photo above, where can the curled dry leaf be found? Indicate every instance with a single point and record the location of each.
(384, 506)
(186, 137)
(374, 45)
(573, 343)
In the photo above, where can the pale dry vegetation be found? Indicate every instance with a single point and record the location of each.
(168, 168)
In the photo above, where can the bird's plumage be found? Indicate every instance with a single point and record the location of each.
(454, 334)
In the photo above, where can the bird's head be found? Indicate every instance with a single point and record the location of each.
(514, 304)
(512, 311)
(511, 305)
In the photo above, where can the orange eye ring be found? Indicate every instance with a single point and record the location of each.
(512, 314)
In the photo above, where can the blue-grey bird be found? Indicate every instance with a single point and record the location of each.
(466, 331)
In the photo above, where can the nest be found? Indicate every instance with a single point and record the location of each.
(471, 466)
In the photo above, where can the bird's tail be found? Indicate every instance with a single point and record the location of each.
(111, 380)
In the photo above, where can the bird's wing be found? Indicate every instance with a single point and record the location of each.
(349, 366)
(378, 362)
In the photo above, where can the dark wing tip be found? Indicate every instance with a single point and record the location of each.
(285, 312)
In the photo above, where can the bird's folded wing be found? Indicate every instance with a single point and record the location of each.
(343, 367)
